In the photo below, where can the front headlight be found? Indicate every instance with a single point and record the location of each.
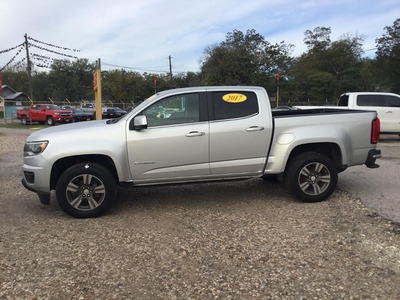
(57, 114)
(34, 148)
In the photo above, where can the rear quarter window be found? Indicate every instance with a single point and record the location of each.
(392, 101)
(344, 100)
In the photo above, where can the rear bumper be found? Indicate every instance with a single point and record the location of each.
(373, 155)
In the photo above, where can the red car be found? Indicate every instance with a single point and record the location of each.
(44, 114)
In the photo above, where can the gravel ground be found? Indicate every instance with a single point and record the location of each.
(237, 240)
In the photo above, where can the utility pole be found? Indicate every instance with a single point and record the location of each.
(97, 90)
(29, 66)
(170, 68)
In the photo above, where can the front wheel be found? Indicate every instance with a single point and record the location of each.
(311, 176)
(24, 121)
(50, 121)
(86, 190)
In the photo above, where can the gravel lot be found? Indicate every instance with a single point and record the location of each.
(237, 240)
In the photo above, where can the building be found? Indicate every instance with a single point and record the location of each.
(13, 100)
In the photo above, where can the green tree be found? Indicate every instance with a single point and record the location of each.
(72, 80)
(388, 57)
(244, 59)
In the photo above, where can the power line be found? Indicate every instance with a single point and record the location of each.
(146, 69)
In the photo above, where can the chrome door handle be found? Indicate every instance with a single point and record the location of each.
(389, 111)
(194, 133)
(254, 128)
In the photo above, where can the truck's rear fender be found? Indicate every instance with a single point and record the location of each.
(61, 165)
(277, 164)
(330, 150)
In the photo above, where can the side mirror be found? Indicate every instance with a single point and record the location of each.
(138, 123)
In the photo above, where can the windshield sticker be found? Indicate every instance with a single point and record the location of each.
(234, 98)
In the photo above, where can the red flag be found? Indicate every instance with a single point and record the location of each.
(278, 75)
(155, 81)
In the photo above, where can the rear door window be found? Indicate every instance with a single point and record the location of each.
(370, 100)
(232, 105)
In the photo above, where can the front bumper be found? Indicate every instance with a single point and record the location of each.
(44, 198)
(373, 155)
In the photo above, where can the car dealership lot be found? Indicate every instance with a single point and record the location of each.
(238, 240)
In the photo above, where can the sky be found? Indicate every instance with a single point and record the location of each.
(141, 35)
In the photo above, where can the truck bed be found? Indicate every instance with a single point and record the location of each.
(308, 112)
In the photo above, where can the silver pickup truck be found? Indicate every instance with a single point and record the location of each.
(194, 135)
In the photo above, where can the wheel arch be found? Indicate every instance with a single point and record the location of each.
(331, 150)
(61, 165)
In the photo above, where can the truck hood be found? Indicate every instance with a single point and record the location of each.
(67, 130)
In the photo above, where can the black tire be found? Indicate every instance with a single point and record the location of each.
(24, 121)
(86, 190)
(311, 176)
(49, 121)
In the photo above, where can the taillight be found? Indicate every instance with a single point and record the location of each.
(376, 131)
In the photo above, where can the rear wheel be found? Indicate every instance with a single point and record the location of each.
(86, 190)
(311, 176)
(50, 121)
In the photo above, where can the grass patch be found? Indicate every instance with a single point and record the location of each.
(18, 125)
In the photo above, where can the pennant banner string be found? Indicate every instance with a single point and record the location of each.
(55, 46)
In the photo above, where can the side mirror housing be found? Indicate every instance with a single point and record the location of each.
(138, 123)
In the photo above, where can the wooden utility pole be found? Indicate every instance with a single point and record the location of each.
(170, 68)
(29, 66)
(97, 90)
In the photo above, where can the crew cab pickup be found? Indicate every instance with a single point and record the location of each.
(387, 105)
(198, 134)
(44, 114)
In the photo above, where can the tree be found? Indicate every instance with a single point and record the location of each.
(337, 61)
(388, 56)
(72, 80)
(244, 59)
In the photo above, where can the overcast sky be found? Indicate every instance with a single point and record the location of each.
(142, 34)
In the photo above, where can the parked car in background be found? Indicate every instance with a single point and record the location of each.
(119, 112)
(44, 114)
(387, 105)
(107, 112)
(282, 108)
(80, 115)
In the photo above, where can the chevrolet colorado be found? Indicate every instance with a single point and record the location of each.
(194, 135)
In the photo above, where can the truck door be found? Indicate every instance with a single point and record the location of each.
(240, 132)
(392, 113)
(371, 102)
(175, 146)
(38, 113)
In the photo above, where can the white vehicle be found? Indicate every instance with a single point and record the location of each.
(387, 105)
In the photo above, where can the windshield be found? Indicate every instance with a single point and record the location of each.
(53, 107)
(145, 103)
